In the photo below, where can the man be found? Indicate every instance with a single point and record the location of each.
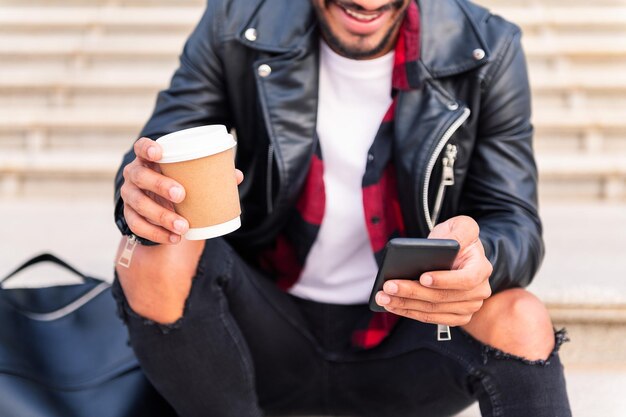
(357, 121)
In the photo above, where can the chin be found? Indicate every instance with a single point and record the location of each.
(361, 48)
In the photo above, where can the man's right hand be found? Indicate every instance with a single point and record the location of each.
(149, 196)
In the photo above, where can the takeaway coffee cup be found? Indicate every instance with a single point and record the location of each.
(201, 159)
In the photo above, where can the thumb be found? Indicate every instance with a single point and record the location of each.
(463, 229)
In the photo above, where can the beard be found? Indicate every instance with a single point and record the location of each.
(358, 49)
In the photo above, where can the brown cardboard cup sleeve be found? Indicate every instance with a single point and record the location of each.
(201, 159)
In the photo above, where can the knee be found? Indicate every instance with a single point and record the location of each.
(530, 323)
(516, 322)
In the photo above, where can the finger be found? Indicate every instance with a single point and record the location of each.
(156, 214)
(143, 228)
(146, 148)
(461, 307)
(413, 289)
(432, 318)
(149, 180)
(239, 176)
(472, 275)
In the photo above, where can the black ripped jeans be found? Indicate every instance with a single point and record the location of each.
(244, 348)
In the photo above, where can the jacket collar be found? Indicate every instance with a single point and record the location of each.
(279, 26)
(450, 40)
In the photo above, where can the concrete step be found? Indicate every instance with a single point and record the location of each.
(116, 3)
(117, 117)
(591, 101)
(579, 120)
(584, 177)
(123, 81)
(76, 162)
(28, 172)
(74, 66)
(83, 159)
(76, 119)
(556, 68)
(496, 4)
(38, 142)
(53, 180)
(108, 17)
(565, 17)
(59, 45)
(133, 81)
(199, 3)
(571, 177)
(596, 110)
(545, 23)
(140, 45)
(577, 166)
(582, 143)
(578, 47)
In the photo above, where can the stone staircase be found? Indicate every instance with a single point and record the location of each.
(78, 79)
(577, 57)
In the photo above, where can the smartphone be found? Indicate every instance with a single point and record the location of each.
(409, 258)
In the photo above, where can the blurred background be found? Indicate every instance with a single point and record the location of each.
(78, 79)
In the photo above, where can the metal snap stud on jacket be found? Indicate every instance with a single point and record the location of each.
(264, 70)
(478, 54)
(250, 34)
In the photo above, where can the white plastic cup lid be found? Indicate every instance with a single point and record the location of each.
(195, 143)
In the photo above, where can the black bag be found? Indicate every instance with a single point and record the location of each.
(64, 353)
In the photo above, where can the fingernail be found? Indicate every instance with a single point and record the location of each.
(176, 193)
(151, 152)
(382, 299)
(174, 238)
(390, 287)
(426, 280)
(180, 226)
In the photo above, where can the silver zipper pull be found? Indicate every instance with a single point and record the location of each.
(448, 165)
(127, 254)
(447, 179)
(443, 333)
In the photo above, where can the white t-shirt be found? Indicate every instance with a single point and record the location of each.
(354, 96)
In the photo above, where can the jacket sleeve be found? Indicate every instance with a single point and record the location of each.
(501, 187)
(196, 96)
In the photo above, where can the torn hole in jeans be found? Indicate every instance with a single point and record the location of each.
(560, 337)
(125, 312)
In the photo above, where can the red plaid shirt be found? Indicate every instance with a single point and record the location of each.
(286, 257)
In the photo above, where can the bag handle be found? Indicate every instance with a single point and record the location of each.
(44, 257)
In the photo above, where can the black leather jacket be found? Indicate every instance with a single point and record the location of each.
(470, 90)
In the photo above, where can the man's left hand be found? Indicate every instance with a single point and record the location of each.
(445, 297)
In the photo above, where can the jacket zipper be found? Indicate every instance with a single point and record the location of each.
(127, 254)
(447, 179)
(433, 160)
(443, 331)
(269, 179)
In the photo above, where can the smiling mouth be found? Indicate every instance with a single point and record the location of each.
(358, 13)
(361, 16)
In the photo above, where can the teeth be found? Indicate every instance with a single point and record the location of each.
(361, 16)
